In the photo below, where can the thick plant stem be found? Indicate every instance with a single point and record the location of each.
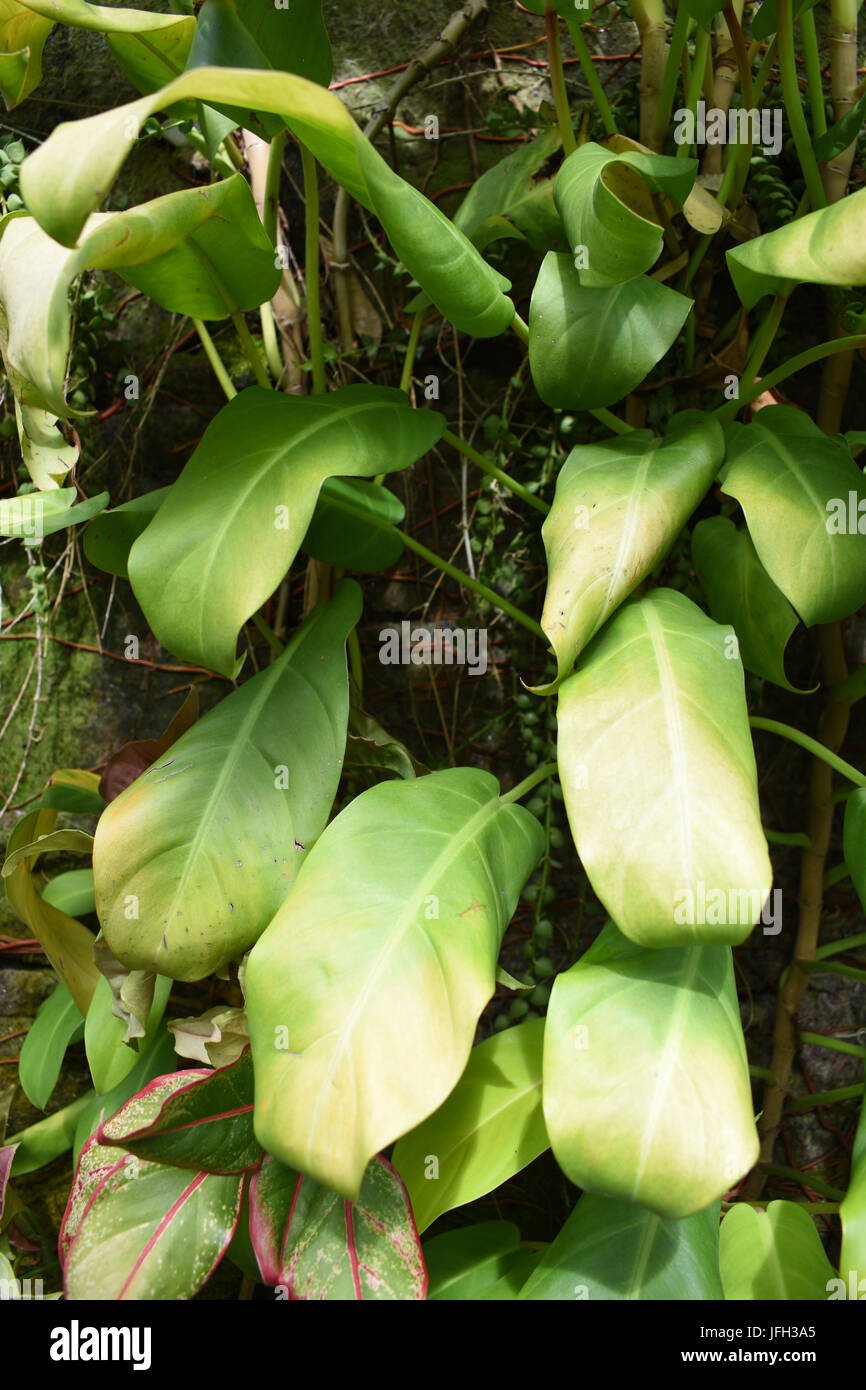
(794, 106)
(649, 16)
(557, 80)
(541, 774)
(311, 270)
(724, 83)
(473, 585)
(833, 728)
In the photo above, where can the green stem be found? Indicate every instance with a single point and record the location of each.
(520, 328)
(817, 1184)
(847, 972)
(838, 948)
(268, 633)
(272, 185)
(854, 688)
(696, 82)
(773, 726)
(826, 1097)
(794, 106)
(517, 488)
(251, 352)
(311, 269)
(557, 80)
(613, 422)
(473, 585)
(355, 663)
(834, 1044)
(794, 364)
(587, 67)
(814, 83)
(763, 341)
(834, 876)
(210, 352)
(679, 35)
(411, 350)
(269, 339)
(785, 837)
(540, 774)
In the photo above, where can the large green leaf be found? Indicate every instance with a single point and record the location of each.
(364, 993)
(852, 1259)
(613, 1250)
(109, 538)
(201, 252)
(353, 526)
(150, 48)
(802, 494)
(605, 202)
(590, 347)
(658, 769)
(666, 1121)
(740, 592)
(618, 508)
(233, 522)
(825, 248)
(67, 178)
(57, 1024)
(314, 1244)
(466, 1263)
(136, 1230)
(489, 1128)
(193, 859)
(773, 1255)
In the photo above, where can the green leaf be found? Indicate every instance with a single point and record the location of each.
(202, 252)
(667, 1121)
(590, 347)
(57, 1025)
(605, 202)
(111, 1059)
(618, 508)
(852, 1259)
(193, 859)
(464, 1264)
(764, 18)
(705, 11)
(67, 944)
(489, 1128)
(143, 1231)
(108, 540)
(654, 723)
(72, 892)
(233, 522)
(55, 842)
(22, 37)
(506, 188)
(615, 1250)
(803, 497)
(73, 789)
(316, 1245)
(824, 247)
(40, 514)
(740, 592)
(206, 1125)
(353, 526)
(41, 1143)
(69, 175)
(407, 937)
(842, 134)
(773, 1255)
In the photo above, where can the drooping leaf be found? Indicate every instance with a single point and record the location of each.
(463, 1264)
(852, 1258)
(353, 526)
(605, 202)
(109, 538)
(772, 1255)
(54, 842)
(72, 892)
(67, 944)
(824, 247)
(317, 1245)
(667, 1121)
(618, 508)
(136, 1230)
(70, 174)
(801, 493)
(654, 724)
(192, 861)
(40, 514)
(206, 1124)
(590, 347)
(489, 1128)
(202, 252)
(740, 592)
(110, 1059)
(126, 763)
(614, 1250)
(407, 937)
(234, 520)
(57, 1024)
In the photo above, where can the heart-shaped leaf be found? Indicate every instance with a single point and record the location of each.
(773, 1255)
(825, 248)
(57, 1024)
(804, 499)
(185, 879)
(314, 1244)
(70, 174)
(618, 508)
(489, 1128)
(590, 347)
(233, 522)
(667, 1121)
(655, 754)
(407, 940)
(605, 202)
(610, 1249)
(740, 592)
